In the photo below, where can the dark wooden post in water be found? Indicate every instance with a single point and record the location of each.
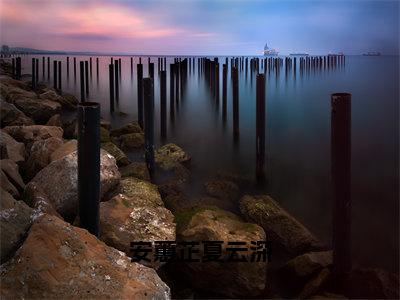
(341, 182)
(67, 66)
(43, 66)
(260, 127)
(55, 74)
(139, 70)
(97, 66)
(74, 67)
(111, 74)
(89, 166)
(37, 72)
(171, 92)
(235, 103)
(82, 77)
(224, 90)
(90, 66)
(163, 102)
(87, 77)
(48, 67)
(18, 67)
(116, 78)
(33, 73)
(148, 98)
(59, 76)
(151, 70)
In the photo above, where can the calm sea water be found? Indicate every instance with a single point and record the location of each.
(297, 137)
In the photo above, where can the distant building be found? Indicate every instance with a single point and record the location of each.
(269, 51)
(5, 49)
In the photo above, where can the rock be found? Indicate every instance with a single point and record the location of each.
(135, 169)
(285, 232)
(174, 198)
(15, 220)
(123, 220)
(11, 171)
(130, 141)
(70, 129)
(64, 149)
(132, 127)
(10, 148)
(315, 285)
(326, 295)
(40, 155)
(306, 265)
(67, 101)
(373, 283)
(222, 189)
(60, 261)
(15, 93)
(237, 178)
(12, 116)
(105, 124)
(221, 203)
(169, 155)
(228, 279)
(6, 185)
(104, 135)
(55, 121)
(29, 134)
(39, 110)
(143, 192)
(58, 182)
(121, 158)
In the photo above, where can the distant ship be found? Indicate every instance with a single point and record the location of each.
(372, 54)
(298, 54)
(269, 51)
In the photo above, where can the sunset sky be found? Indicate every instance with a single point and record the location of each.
(201, 27)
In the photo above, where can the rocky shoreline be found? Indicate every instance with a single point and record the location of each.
(44, 254)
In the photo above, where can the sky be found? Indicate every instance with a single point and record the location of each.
(202, 27)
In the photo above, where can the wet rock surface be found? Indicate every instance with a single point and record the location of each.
(58, 260)
(169, 155)
(40, 111)
(10, 148)
(135, 169)
(132, 127)
(11, 180)
(120, 156)
(282, 229)
(58, 181)
(12, 116)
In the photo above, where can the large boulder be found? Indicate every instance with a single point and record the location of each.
(40, 110)
(60, 261)
(230, 279)
(132, 127)
(286, 233)
(65, 149)
(223, 189)
(11, 180)
(120, 156)
(29, 134)
(135, 169)
(15, 220)
(15, 93)
(55, 121)
(59, 182)
(67, 101)
(10, 148)
(130, 141)
(169, 155)
(12, 116)
(40, 155)
(124, 220)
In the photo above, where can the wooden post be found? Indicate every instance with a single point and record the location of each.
(18, 68)
(74, 67)
(111, 76)
(55, 74)
(224, 90)
(90, 66)
(235, 102)
(341, 182)
(97, 66)
(37, 72)
(163, 102)
(139, 70)
(87, 77)
(33, 73)
(59, 76)
(43, 66)
(13, 69)
(89, 166)
(48, 67)
(148, 98)
(171, 92)
(260, 127)
(151, 70)
(116, 78)
(82, 78)
(67, 66)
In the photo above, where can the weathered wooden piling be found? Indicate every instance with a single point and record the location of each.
(111, 79)
(55, 74)
(87, 77)
(37, 72)
(97, 66)
(171, 92)
(74, 67)
(163, 102)
(151, 70)
(67, 66)
(48, 67)
(13, 70)
(235, 102)
(82, 79)
(33, 73)
(139, 70)
(43, 66)
(341, 181)
(116, 79)
(90, 66)
(18, 68)
(260, 126)
(89, 166)
(224, 90)
(59, 76)
(148, 98)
